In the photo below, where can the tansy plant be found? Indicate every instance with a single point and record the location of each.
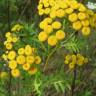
(25, 58)
(55, 11)
(73, 60)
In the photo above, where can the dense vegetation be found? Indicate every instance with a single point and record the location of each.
(48, 48)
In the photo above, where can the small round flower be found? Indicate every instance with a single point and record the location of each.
(60, 13)
(28, 50)
(48, 29)
(73, 17)
(74, 4)
(86, 31)
(53, 14)
(48, 20)
(9, 39)
(12, 64)
(68, 57)
(56, 25)
(66, 62)
(26, 67)
(63, 5)
(42, 36)
(77, 25)
(52, 40)
(11, 55)
(8, 46)
(71, 65)
(32, 71)
(41, 12)
(85, 23)
(69, 10)
(47, 11)
(81, 16)
(42, 24)
(80, 62)
(15, 72)
(21, 51)
(20, 59)
(8, 34)
(14, 39)
(30, 59)
(60, 34)
(37, 60)
(82, 8)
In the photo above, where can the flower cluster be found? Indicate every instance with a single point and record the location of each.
(52, 30)
(73, 60)
(10, 40)
(11, 37)
(77, 13)
(25, 58)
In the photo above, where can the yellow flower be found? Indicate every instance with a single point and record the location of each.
(56, 25)
(42, 24)
(77, 25)
(20, 59)
(74, 4)
(81, 16)
(80, 62)
(68, 57)
(41, 12)
(30, 59)
(42, 36)
(48, 20)
(69, 10)
(85, 23)
(9, 46)
(40, 6)
(74, 59)
(51, 2)
(14, 39)
(32, 71)
(71, 65)
(63, 5)
(47, 11)
(53, 14)
(21, 51)
(82, 8)
(37, 60)
(52, 40)
(26, 67)
(66, 62)
(11, 55)
(9, 39)
(46, 4)
(8, 34)
(12, 64)
(28, 50)
(15, 72)
(73, 17)
(86, 31)
(60, 35)
(60, 13)
(48, 29)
